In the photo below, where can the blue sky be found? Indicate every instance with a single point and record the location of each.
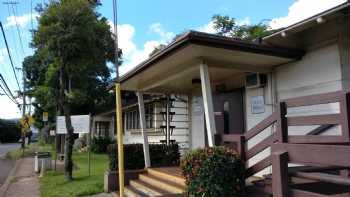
(142, 25)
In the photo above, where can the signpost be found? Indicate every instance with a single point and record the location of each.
(45, 116)
(81, 125)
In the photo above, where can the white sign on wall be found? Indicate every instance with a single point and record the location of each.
(80, 123)
(257, 104)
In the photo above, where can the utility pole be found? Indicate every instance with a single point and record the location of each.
(118, 106)
(24, 106)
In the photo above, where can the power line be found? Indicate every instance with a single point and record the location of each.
(17, 26)
(13, 35)
(6, 86)
(8, 93)
(116, 52)
(9, 54)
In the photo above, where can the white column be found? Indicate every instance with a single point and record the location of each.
(143, 129)
(208, 103)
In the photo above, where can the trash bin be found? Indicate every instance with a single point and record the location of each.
(42, 157)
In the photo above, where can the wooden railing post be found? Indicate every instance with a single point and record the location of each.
(280, 174)
(344, 105)
(282, 125)
(241, 147)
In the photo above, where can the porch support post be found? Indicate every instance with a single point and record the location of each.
(143, 129)
(208, 102)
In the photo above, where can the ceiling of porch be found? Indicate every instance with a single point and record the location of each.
(174, 71)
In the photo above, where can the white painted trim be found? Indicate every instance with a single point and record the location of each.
(143, 129)
(208, 103)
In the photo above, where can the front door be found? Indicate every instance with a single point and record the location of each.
(229, 112)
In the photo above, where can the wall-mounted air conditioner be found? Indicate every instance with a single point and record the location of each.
(255, 80)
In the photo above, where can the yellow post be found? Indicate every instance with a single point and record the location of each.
(120, 139)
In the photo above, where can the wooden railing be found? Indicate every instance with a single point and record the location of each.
(301, 149)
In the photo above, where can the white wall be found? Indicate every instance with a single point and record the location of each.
(318, 72)
(180, 133)
(197, 122)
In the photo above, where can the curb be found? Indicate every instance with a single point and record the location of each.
(4, 187)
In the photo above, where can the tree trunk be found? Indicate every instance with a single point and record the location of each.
(68, 149)
(69, 140)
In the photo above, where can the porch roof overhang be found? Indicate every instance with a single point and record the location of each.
(173, 68)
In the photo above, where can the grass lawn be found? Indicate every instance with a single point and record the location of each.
(53, 184)
(30, 151)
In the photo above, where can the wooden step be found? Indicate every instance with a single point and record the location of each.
(131, 191)
(167, 176)
(165, 184)
(147, 188)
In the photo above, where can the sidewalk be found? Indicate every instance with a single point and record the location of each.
(24, 181)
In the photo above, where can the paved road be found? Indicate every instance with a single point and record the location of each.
(4, 148)
(6, 164)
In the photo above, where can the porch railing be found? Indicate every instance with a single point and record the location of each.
(286, 147)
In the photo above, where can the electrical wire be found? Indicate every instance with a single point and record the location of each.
(9, 55)
(10, 96)
(116, 53)
(14, 11)
(6, 86)
(13, 35)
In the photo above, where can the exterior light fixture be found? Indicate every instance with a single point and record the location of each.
(320, 20)
(283, 34)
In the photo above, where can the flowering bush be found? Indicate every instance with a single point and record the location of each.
(213, 172)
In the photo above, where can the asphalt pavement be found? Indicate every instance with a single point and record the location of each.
(4, 148)
(6, 164)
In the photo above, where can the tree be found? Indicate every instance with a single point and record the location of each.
(227, 26)
(69, 68)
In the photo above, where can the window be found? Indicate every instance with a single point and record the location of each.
(133, 118)
(102, 128)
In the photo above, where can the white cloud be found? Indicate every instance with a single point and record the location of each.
(134, 55)
(164, 35)
(302, 9)
(22, 20)
(207, 28)
(138, 56)
(8, 110)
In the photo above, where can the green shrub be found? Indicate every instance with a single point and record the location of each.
(100, 144)
(213, 172)
(160, 154)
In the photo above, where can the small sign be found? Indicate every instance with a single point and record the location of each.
(80, 123)
(52, 132)
(45, 116)
(257, 104)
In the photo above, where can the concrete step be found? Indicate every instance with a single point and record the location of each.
(167, 176)
(167, 185)
(148, 189)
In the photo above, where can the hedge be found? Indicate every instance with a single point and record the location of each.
(100, 144)
(161, 155)
(9, 131)
(213, 172)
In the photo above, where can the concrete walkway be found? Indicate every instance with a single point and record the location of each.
(24, 181)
